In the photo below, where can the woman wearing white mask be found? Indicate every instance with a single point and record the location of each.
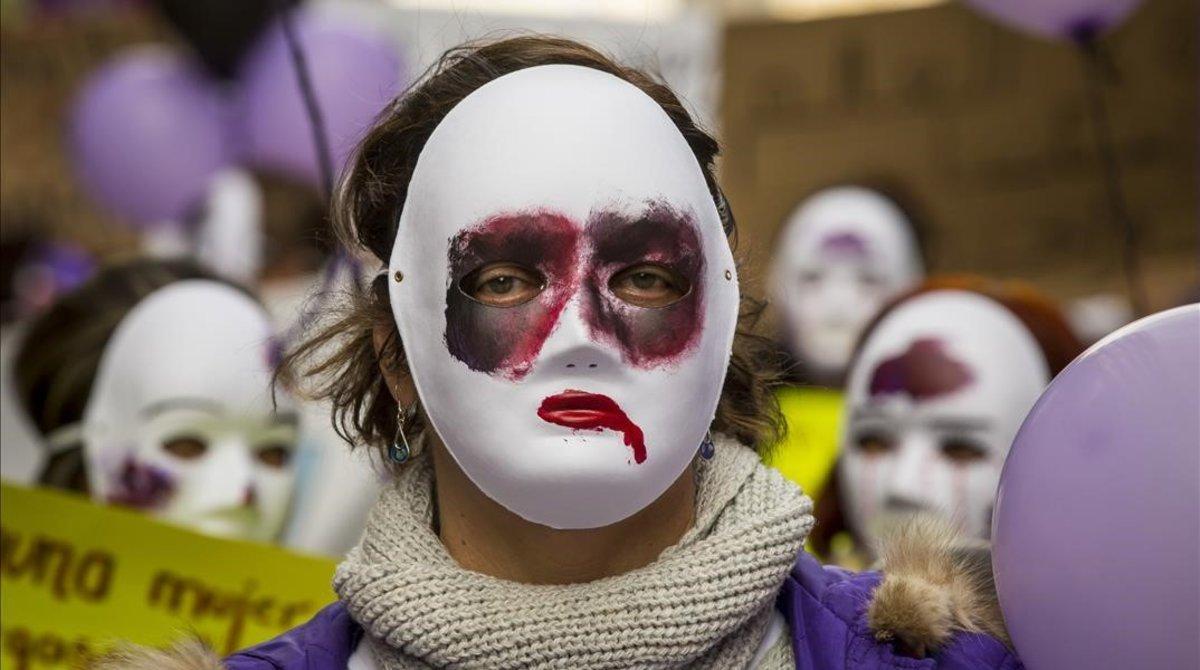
(941, 382)
(546, 358)
(152, 386)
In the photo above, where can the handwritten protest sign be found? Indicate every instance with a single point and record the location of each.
(75, 577)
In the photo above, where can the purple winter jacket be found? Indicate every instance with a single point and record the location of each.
(825, 609)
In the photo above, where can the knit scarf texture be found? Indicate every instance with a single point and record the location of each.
(704, 603)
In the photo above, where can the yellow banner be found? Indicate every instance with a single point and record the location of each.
(75, 577)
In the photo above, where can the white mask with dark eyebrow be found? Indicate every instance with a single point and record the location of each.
(934, 401)
(180, 421)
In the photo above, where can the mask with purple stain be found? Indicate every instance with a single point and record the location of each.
(141, 486)
(845, 244)
(922, 372)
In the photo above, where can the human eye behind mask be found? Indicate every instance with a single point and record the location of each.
(188, 438)
(873, 442)
(649, 285)
(964, 450)
(503, 284)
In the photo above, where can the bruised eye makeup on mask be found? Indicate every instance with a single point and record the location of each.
(513, 274)
(494, 322)
(651, 320)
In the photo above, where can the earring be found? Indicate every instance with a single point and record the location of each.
(399, 451)
(707, 447)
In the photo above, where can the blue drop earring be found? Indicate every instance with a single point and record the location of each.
(707, 447)
(399, 451)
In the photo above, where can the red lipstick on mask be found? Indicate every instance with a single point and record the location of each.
(591, 411)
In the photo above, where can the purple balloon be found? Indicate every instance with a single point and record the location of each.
(1059, 19)
(147, 133)
(354, 74)
(1096, 534)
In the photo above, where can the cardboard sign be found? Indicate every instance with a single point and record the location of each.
(76, 577)
(987, 130)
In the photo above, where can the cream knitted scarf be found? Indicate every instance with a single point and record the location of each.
(704, 603)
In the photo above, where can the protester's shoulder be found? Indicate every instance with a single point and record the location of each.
(325, 641)
(932, 605)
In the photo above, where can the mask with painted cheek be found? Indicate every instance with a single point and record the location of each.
(568, 300)
(844, 252)
(934, 401)
(180, 421)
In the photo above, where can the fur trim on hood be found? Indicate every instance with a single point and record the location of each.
(934, 583)
(189, 654)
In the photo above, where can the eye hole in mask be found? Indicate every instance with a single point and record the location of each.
(649, 285)
(502, 285)
(874, 443)
(274, 456)
(185, 447)
(963, 451)
(871, 280)
(810, 277)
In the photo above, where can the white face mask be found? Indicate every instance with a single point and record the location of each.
(180, 421)
(577, 408)
(844, 253)
(934, 402)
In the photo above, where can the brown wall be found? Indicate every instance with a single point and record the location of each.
(42, 65)
(987, 128)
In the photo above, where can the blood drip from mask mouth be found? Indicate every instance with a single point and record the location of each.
(580, 410)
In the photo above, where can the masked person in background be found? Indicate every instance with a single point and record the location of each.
(941, 382)
(842, 255)
(151, 384)
(270, 230)
(551, 361)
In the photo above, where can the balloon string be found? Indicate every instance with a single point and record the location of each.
(1098, 70)
(311, 106)
(341, 258)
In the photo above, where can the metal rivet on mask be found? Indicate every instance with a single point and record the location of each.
(728, 276)
(399, 276)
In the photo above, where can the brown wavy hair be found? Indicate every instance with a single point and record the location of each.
(340, 363)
